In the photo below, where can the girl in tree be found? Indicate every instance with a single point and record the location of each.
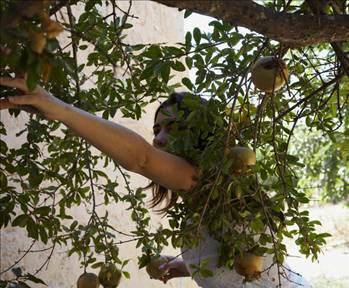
(168, 172)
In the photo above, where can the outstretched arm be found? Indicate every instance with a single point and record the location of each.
(126, 147)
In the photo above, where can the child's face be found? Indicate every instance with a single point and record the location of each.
(162, 126)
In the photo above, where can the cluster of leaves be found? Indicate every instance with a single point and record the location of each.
(325, 175)
(54, 171)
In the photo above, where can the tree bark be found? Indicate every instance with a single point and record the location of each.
(294, 30)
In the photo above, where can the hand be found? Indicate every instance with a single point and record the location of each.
(174, 268)
(38, 100)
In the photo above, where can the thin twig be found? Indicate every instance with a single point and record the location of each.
(20, 259)
(307, 98)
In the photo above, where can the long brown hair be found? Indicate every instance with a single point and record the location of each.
(160, 193)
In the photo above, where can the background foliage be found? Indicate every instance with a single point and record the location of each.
(300, 135)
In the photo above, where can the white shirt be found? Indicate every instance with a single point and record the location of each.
(229, 278)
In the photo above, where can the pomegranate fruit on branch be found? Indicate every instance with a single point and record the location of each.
(109, 276)
(269, 73)
(153, 267)
(88, 280)
(249, 265)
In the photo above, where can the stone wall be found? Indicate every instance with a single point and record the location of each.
(155, 23)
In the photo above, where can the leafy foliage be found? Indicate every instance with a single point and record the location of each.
(54, 171)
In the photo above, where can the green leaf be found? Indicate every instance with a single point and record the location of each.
(304, 200)
(188, 38)
(127, 26)
(197, 35)
(126, 274)
(21, 220)
(32, 79)
(137, 47)
(175, 51)
(189, 62)
(178, 66)
(165, 71)
(187, 13)
(153, 52)
(148, 72)
(97, 265)
(43, 211)
(34, 279)
(257, 225)
(32, 229)
(3, 180)
(43, 235)
(206, 273)
(324, 235)
(186, 82)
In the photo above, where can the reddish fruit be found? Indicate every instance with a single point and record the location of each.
(249, 265)
(153, 267)
(88, 280)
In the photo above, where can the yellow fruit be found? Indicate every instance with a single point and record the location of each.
(153, 267)
(44, 17)
(46, 71)
(243, 119)
(37, 41)
(109, 276)
(269, 73)
(249, 265)
(53, 29)
(88, 280)
(243, 158)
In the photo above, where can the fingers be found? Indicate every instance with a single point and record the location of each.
(166, 277)
(6, 104)
(171, 263)
(22, 99)
(165, 271)
(164, 280)
(164, 267)
(14, 83)
(20, 102)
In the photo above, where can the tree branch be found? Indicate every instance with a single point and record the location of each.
(312, 94)
(291, 29)
(60, 4)
(294, 30)
(337, 48)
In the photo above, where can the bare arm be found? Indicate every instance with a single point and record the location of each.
(128, 148)
(131, 150)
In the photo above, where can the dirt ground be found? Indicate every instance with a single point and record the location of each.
(332, 268)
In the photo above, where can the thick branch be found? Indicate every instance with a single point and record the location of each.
(292, 29)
